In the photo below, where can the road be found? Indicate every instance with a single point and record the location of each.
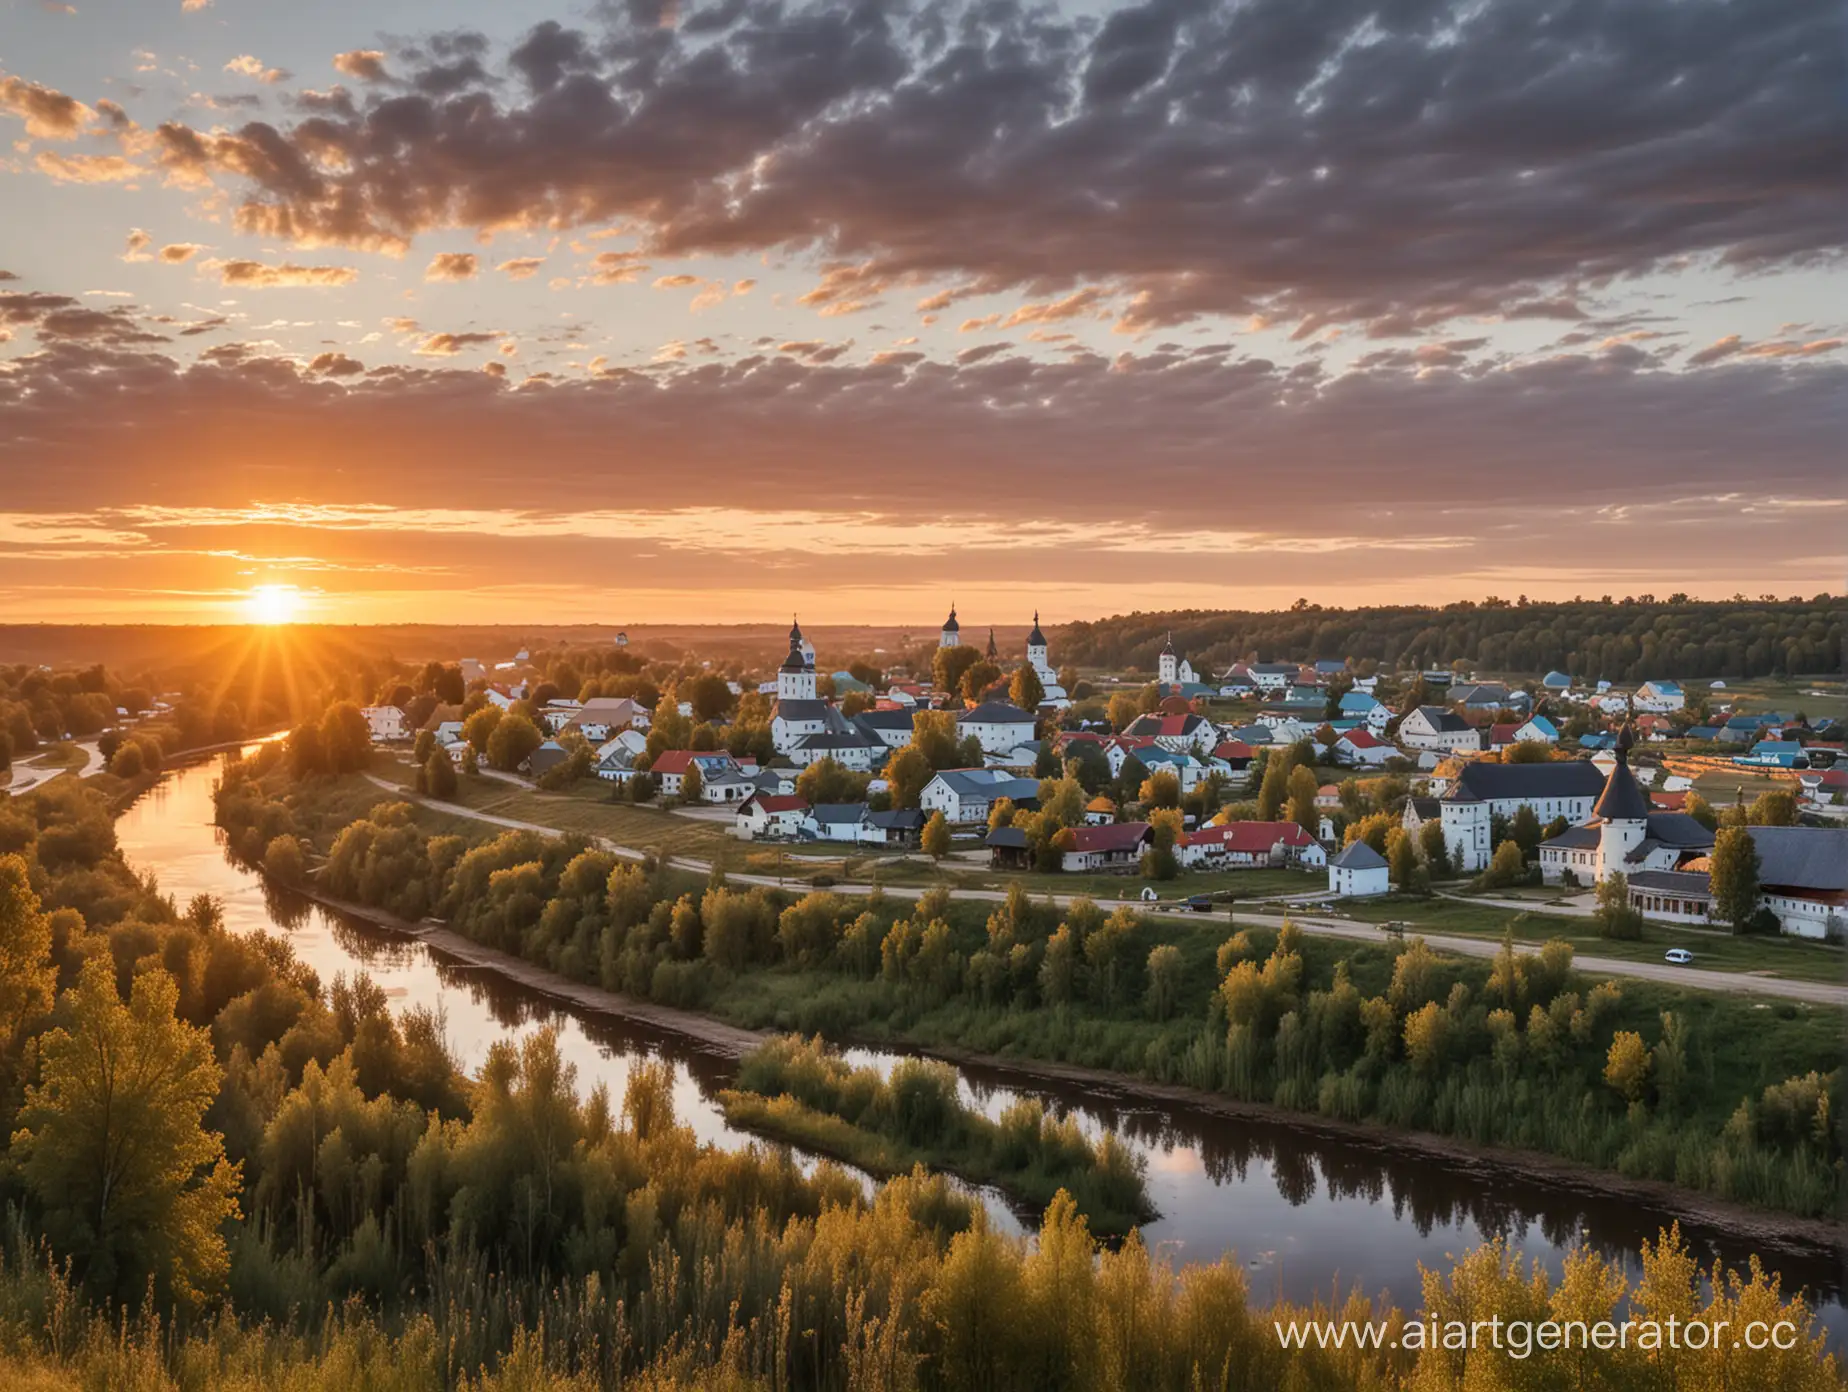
(1815, 992)
(27, 777)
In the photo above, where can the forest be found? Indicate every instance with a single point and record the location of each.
(223, 1172)
(1632, 639)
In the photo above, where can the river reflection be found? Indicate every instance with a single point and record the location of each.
(1307, 1214)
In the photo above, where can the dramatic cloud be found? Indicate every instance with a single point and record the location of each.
(361, 64)
(87, 169)
(248, 65)
(48, 114)
(258, 275)
(451, 265)
(1325, 162)
(336, 365)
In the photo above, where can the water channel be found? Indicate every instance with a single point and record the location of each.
(1306, 1214)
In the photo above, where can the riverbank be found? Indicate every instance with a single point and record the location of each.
(1763, 1227)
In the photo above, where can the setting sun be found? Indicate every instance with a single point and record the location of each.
(273, 604)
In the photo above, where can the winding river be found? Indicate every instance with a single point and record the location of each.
(1307, 1214)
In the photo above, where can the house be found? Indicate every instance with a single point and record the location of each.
(386, 723)
(1611, 702)
(998, 726)
(965, 796)
(1784, 754)
(1418, 811)
(616, 756)
(1362, 749)
(1327, 798)
(1556, 681)
(892, 728)
(1116, 848)
(721, 779)
(547, 757)
(1008, 849)
(1704, 733)
(1184, 734)
(1271, 678)
(837, 821)
(1742, 729)
(1249, 845)
(1802, 881)
(849, 748)
(1434, 728)
(1621, 834)
(439, 716)
(1659, 697)
(1824, 787)
(1538, 730)
(1489, 696)
(1188, 770)
(769, 817)
(604, 716)
(1671, 896)
(1100, 811)
(1359, 871)
(554, 715)
(1171, 669)
(1364, 706)
(902, 826)
(1482, 792)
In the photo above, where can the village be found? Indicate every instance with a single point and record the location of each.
(1345, 783)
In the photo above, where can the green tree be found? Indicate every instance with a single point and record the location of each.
(1402, 860)
(825, 780)
(283, 861)
(1626, 1066)
(1525, 830)
(512, 742)
(1302, 789)
(1436, 849)
(1778, 807)
(1122, 710)
(27, 979)
(980, 676)
(1165, 975)
(1026, 690)
(936, 839)
(692, 784)
(440, 776)
(1614, 915)
(111, 1143)
(478, 729)
(346, 738)
(907, 773)
(1734, 877)
(948, 665)
(1507, 867)
(1161, 789)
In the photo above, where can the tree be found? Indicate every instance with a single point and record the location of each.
(1614, 915)
(692, 784)
(1302, 790)
(933, 733)
(1161, 789)
(132, 1185)
(1436, 849)
(1701, 811)
(980, 676)
(1734, 877)
(1122, 710)
(440, 776)
(825, 780)
(512, 742)
(1525, 830)
(422, 745)
(1407, 873)
(948, 665)
(1165, 973)
(283, 861)
(306, 755)
(346, 738)
(1001, 814)
(1026, 690)
(1778, 807)
(478, 729)
(27, 979)
(127, 762)
(907, 773)
(1626, 1066)
(936, 839)
(1507, 867)
(1527, 752)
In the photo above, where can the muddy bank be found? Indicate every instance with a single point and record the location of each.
(1761, 1227)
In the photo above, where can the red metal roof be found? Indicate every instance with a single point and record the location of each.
(1253, 837)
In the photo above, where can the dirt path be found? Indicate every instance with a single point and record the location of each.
(1814, 992)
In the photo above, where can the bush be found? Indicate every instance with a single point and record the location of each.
(283, 861)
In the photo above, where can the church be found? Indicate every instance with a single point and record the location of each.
(1622, 835)
(1039, 658)
(803, 726)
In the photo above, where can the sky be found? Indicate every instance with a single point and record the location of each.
(643, 311)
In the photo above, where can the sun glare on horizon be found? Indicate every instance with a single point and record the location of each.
(272, 604)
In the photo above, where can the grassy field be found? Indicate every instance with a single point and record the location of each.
(61, 755)
(1713, 950)
(1787, 695)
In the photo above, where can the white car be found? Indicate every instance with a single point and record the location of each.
(1680, 956)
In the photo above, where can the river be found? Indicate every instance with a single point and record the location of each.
(1305, 1213)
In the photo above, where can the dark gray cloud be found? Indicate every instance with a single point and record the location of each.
(1398, 163)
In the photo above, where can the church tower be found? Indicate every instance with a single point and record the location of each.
(1622, 810)
(952, 631)
(1036, 647)
(994, 653)
(1168, 670)
(795, 679)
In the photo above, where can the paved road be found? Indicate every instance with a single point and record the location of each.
(1816, 992)
(26, 777)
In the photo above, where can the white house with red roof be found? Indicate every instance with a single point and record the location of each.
(1117, 847)
(1183, 734)
(769, 817)
(1249, 846)
(1363, 749)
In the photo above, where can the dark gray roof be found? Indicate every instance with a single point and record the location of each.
(978, 783)
(830, 739)
(802, 710)
(1802, 857)
(1678, 829)
(1578, 838)
(1558, 779)
(886, 720)
(1009, 838)
(898, 819)
(1623, 798)
(1684, 882)
(995, 713)
(1036, 639)
(1358, 855)
(1459, 792)
(1426, 809)
(1446, 722)
(834, 813)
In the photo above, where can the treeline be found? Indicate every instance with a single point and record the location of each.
(1632, 639)
(1517, 1052)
